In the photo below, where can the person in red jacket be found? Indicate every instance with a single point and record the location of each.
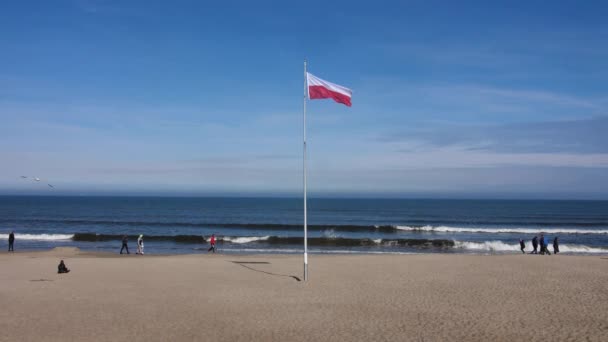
(212, 242)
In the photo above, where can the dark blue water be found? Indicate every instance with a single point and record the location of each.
(269, 225)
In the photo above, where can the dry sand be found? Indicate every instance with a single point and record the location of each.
(348, 298)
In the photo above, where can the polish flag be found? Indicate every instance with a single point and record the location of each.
(321, 89)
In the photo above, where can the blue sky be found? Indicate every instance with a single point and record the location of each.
(467, 99)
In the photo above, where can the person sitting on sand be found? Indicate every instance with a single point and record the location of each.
(535, 245)
(125, 240)
(140, 244)
(212, 243)
(555, 246)
(62, 268)
(522, 245)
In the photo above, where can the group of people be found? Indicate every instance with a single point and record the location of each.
(140, 244)
(61, 268)
(544, 245)
(125, 244)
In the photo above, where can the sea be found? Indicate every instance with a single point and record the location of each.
(275, 225)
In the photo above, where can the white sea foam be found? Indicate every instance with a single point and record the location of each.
(40, 237)
(330, 233)
(499, 246)
(310, 251)
(244, 239)
(362, 252)
(446, 229)
(260, 250)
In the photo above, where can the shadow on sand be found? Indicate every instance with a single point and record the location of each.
(247, 263)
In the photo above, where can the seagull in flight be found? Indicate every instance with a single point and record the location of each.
(37, 179)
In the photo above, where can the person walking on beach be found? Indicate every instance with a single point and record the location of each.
(212, 243)
(522, 245)
(546, 243)
(11, 242)
(140, 244)
(542, 244)
(125, 241)
(535, 245)
(555, 246)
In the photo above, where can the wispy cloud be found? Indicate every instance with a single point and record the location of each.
(481, 56)
(584, 136)
(549, 98)
(416, 104)
(97, 7)
(511, 53)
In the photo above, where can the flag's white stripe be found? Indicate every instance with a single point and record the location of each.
(315, 81)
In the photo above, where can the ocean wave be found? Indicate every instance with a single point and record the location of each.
(276, 240)
(92, 237)
(333, 243)
(258, 250)
(244, 239)
(310, 251)
(330, 230)
(445, 229)
(349, 242)
(40, 237)
(499, 246)
(251, 226)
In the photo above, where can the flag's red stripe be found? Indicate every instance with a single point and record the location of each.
(320, 92)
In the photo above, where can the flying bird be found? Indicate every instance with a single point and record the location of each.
(36, 179)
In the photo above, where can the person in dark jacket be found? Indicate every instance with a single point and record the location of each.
(535, 245)
(522, 244)
(555, 246)
(11, 242)
(62, 268)
(125, 241)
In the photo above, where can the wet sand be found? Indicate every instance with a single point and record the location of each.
(432, 297)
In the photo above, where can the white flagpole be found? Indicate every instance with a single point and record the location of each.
(304, 166)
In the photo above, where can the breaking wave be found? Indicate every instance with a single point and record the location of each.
(573, 227)
(284, 244)
(39, 237)
(251, 226)
(499, 246)
(244, 239)
(269, 240)
(445, 229)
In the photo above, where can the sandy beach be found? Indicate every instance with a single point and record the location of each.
(432, 297)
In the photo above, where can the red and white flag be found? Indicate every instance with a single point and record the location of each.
(321, 89)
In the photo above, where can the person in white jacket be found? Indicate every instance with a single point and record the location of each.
(140, 244)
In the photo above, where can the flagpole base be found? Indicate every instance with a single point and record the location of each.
(305, 272)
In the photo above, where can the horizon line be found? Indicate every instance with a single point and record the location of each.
(471, 197)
